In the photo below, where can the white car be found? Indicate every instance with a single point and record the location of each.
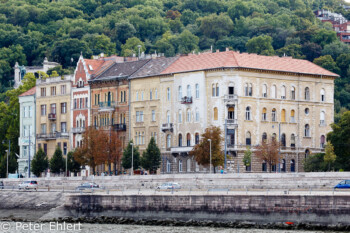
(28, 185)
(169, 185)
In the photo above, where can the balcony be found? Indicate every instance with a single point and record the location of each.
(78, 130)
(181, 149)
(52, 116)
(231, 122)
(186, 100)
(230, 98)
(322, 123)
(167, 127)
(119, 127)
(107, 106)
(52, 136)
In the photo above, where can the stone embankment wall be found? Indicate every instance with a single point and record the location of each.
(320, 180)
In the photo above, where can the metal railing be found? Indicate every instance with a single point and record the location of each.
(107, 104)
(78, 130)
(167, 127)
(52, 135)
(119, 127)
(52, 116)
(186, 100)
(230, 97)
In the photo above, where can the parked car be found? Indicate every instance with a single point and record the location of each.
(345, 184)
(90, 185)
(28, 185)
(1, 185)
(169, 185)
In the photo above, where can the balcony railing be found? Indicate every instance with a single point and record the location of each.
(181, 149)
(167, 127)
(230, 97)
(78, 130)
(51, 136)
(322, 123)
(119, 127)
(107, 105)
(52, 116)
(186, 100)
(231, 122)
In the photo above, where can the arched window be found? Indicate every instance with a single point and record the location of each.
(322, 118)
(197, 90)
(273, 115)
(323, 141)
(264, 138)
(189, 94)
(196, 138)
(217, 89)
(307, 130)
(168, 166)
(273, 91)
(283, 92)
(246, 89)
(283, 165)
(216, 114)
(264, 91)
(231, 113)
(188, 165)
(188, 137)
(197, 115)
(292, 93)
(307, 93)
(179, 93)
(283, 140)
(188, 115)
(180, 165)
(180, 140)
(264, 115)
(180, 116)
(292, 165)
(283, 115)
(307, 153)
(248, 139)
(168, 94)
(247, 113)
(264, 166)
(323, 96)
(213, 90)
(274, 137)
(168, 141)
(292, 118)
(250, 92)
(292, 141)
(168, 117)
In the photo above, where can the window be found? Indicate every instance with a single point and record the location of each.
(264, 138)
(197, 115)
(24, 111)
(121, 97)
(153, 115)
(168, 94)
(250, 91)
(264, 166)
(307, 130)
(53, 127)
(63, 89)
(307, 111)
(25, 150)
(141, 116)
(247, 113)
(307, 93)
(64, 127)
(196, 138)
(53, 91)
(292, 165)
(217, 89)
(43, 91)
(180, 93)
(292, 141)
(168, 141)
(213, 90)
(156, 94)
(150, 94)
(323, 97)
(197, 90)
(24, 131)
(283, 140)
(274, 137)
(86, 102)
(188, 139)
(246, 89)
(231, 90)
(264, 115)
(273, 116)
(292, 118)
(216, 114)
(231, 113)
(63, 108)
(180, 116)
(124, 96)
(283, 115)
(30, 111)
(189, 94)
(322, 142)
(283, 92)
(322, 118)
(264, 91)
(64, 148)
(137, 96)
(188, 114)
(168, 117)
(292, 93)
(273, 91)
(43, 128)
(53, 108)
(248, 139)
(180, 140)
(168, 166)
(141, 95)
(180, 165)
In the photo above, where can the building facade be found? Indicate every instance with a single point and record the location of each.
(26, 140)
(53, 114)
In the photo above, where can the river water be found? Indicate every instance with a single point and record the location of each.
(26, 227)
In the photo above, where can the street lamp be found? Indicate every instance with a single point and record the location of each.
(210, 155)
(7, 159)
(132, 158)
(139, 46)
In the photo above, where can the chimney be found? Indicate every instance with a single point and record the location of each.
(227, 49)
(217, 50)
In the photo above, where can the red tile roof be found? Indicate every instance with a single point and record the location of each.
(29, 92)
(95, 64)
(233, 59)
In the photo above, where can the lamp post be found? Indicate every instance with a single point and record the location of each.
(64, 149)
(132, 158)
(210, 155)
(139, 46)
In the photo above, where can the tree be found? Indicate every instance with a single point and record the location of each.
(311, 50)
(114, 151)
(335, 49)
(39, 163)
(72, 164)
(127, 157)
(268, 152)
(187, 42)
(324, 37)
(315, 163)
(130, 47)
(292, 50)
(57, 163)
(99, 44)
(247, 157)
(216, 26)
(201, 151)
(328, 63)
(329, 156)
(151, 157)
(260, 45)
(124, 30)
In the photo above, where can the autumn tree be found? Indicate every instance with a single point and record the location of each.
(329, 156)
(268, 152)
(201, 151)
(113, 151)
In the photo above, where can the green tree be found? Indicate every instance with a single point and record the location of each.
(238, 9)
(247, 158)
(151, 157)
(57, 163)
(99, 44)
(260, 45)
(187, 42)
(127, 157)
(72, 164)
(39, 163)
(292, 50)
(124, 30)
(328, 63)
(335, 49)
(329, 156)
(315, 163)
(130, 47)
(324, 37)
(216, 26)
